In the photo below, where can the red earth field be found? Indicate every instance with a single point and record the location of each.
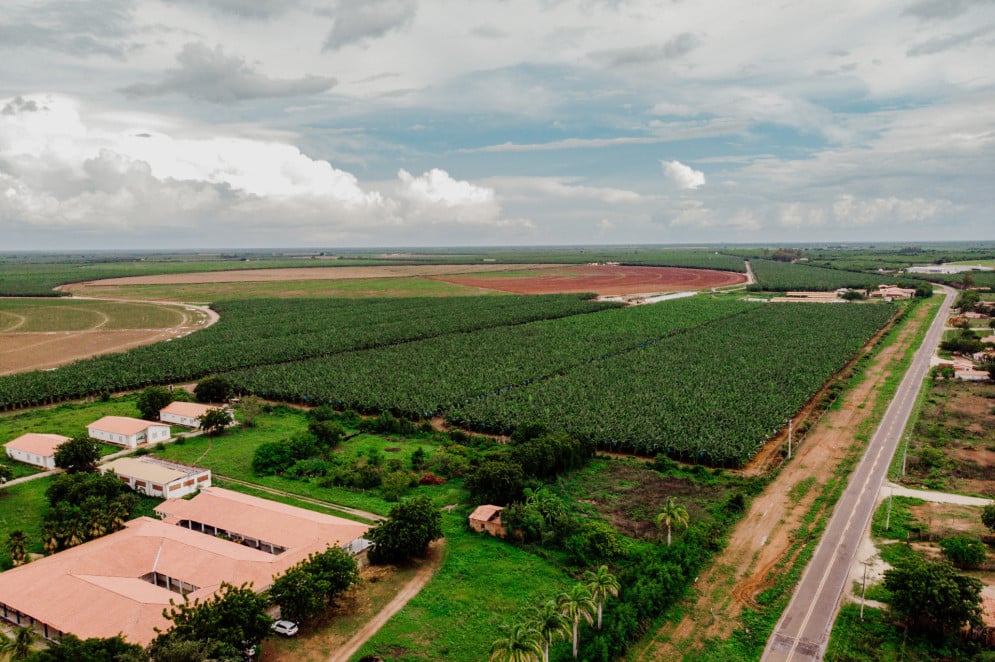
(601, 279)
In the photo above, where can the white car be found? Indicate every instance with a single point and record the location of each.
(286, 628)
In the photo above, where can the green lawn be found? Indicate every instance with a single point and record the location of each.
(38, 315)
(21, 507)
(231, 455)
(483, 584)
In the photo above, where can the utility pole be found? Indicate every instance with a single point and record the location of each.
(887, 519)
(905, 454)
(789, 437)
(863, 591)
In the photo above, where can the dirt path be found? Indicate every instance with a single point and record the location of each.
(890, 488)
(759, 544)
(410, 590)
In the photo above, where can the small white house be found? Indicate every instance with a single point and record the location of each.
(188, 414)
(35, 448)
(159, 478)
(128, 432)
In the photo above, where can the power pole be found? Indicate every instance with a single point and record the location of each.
(863, 592)
(905, 454)
(789, 437)
(887, 519)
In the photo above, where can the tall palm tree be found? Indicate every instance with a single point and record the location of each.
(673, 514)
(602, 585)
(576, 604)
(19, 648)
(520, 645)
(17, 546)
(551, 625)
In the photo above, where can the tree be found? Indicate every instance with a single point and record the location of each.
(306, 589)
(550, 623)
(251, 407)
(213, 389)
(406, 533)
(496, 481)
(988, 516)
(963, 550)
(73, 649)
(6, 473)
(328, 433)
(17, 547)
(151, 400)
(214, 421)
(602, 585)
(78, 455)
(673, 514)
(234, 617)
(576, 604)
(520, 644)
(418, 459)
(933, 594)
(19, 648)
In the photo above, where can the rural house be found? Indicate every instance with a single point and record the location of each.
(35, 448)
(128, 432)
(159, 478)
(188, 414)
(120, 583)
(488, 518)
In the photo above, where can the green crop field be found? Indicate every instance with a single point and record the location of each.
(38, 315)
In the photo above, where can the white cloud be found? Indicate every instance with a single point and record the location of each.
(359, 22)
(685, 177)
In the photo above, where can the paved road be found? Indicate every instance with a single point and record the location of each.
(803, 631)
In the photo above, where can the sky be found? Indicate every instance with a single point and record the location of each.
(155, 124)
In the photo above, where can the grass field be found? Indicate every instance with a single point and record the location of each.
(231, 455)
(208, 292)
(483, 584)
(41, 315)
(21, 507)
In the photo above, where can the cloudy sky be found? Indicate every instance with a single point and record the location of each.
(322, 123)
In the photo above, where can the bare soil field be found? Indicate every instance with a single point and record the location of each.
(39, 350)
(759, 546)
(603, 279)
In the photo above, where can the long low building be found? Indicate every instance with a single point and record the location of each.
(35, 448)
(159, 478)
(126, 431)
(121, 583)
(188, 414)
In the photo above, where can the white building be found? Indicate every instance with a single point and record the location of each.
(188, 414)
(159, 478)
(35, 448)
(128, 432)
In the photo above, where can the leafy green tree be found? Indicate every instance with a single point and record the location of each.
(602, 585)
(593, 541)
(6, 473)
(250, 408)
(328, 433)
(576, 604)
(406, 533)
(151, 400)
(963, 550)
(181, 650)
(214, 421)
(418, 459)
(673, 514)
(17, 547)
(520, 644)
(73, 649)
(988, 516)
(79, 454)
(213, 390)
(393, 485)
(19, 647)
(551, 624)
(932, 594)
(234, 617)
(306, 589)
(496, 481)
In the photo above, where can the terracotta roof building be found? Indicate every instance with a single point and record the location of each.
(35, 448)
(121, 583)
(487, 518)
(188, 414)
(125, 431)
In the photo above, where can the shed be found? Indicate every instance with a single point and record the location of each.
(488, 518)
(188, 414)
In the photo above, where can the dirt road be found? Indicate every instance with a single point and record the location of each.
(410, 590)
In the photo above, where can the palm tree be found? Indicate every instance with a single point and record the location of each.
(50, 536)
(602, 585)
(673, 514)
(19, 648)
(576, 604)
(551, 625)
(117, 515)
(520, 645)
(17, 545)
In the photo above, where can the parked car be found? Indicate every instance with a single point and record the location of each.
(286, 628)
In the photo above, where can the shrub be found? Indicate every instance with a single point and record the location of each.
(963, 550)
(430, 478)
